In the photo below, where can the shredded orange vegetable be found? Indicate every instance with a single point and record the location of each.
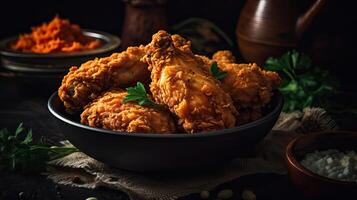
(59, 35)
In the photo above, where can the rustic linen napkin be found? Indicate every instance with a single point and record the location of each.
(80, 170)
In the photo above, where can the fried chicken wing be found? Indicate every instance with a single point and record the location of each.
(109, 112)
(190, 92)
(248, 84)
(83, 84)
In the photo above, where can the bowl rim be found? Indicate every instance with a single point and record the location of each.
(276, 110)
(111, 42)
(292, 161)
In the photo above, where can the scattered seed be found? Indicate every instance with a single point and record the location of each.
(225, 194)
(91, 198)
(21, 195)
(204, 194)
(248, 195)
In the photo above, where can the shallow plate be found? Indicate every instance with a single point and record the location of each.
(55, 62)
(164, 152)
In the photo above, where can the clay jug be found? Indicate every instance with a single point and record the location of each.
(143, 18)
(270, 27)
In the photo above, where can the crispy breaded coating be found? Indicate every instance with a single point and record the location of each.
(109, 112)
(181, 43)
(248, 84)
(83, 84)
(224, 56)
(190, 92)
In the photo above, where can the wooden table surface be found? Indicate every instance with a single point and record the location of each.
(24, 100)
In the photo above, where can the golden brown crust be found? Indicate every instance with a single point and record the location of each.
(81, 85)
(248, 84)
(179, 82)
(109, 112)
(181, 43)
(224, 56)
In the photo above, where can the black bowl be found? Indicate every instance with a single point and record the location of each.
(164, 152)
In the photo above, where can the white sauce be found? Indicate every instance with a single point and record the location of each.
(333, 164)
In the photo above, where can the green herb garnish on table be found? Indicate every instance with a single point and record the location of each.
(304, 85)
(138, 94)
(18, 151)
(216, 72)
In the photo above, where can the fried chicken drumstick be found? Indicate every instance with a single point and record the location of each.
(109, 112)
(81, 85)
(191, 93)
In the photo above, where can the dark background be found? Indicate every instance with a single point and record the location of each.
(108, 15)
(331, 42)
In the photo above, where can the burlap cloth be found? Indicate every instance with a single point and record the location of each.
(80, 170)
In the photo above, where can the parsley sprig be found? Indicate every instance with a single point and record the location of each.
(18, 151)
(216, 72)
(138, 94)
(304, 85)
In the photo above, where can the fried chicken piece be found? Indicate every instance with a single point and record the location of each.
(185, 45)
(248, 84)
(178, 81)
(181, 43)
(109, 112)
(224, 56)
(81, 85)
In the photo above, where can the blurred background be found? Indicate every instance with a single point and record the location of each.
(330, 41)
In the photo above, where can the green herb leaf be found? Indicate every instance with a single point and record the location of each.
(28, 138)
(138, 94)
(18, 130)
(18, 152)
(216, 72)
(304, 85)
